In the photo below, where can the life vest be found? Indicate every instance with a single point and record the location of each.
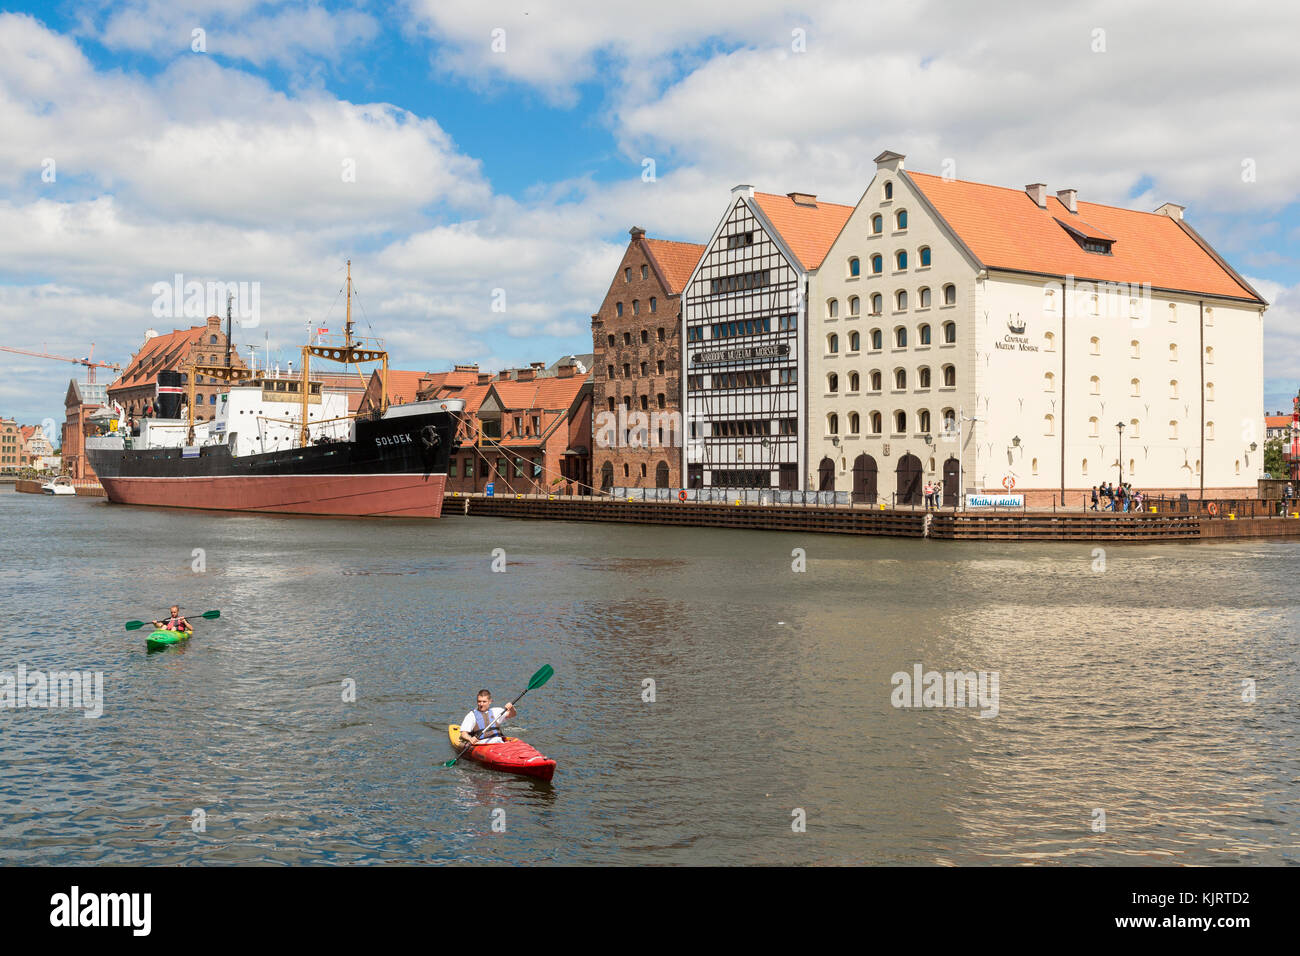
(484, 732)
(175, 623)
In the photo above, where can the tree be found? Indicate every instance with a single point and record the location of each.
(1275, 460)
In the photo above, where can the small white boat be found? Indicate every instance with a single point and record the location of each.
(62, 485)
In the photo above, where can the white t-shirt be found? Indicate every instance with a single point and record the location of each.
(470, 724)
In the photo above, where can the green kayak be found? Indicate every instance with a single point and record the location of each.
(160, 639)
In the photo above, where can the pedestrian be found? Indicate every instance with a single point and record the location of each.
(1094, 497)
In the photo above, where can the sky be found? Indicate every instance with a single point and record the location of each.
(481, 163)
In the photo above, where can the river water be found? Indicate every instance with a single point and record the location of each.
(1123, 729)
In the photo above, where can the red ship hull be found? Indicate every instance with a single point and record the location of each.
(395, 495)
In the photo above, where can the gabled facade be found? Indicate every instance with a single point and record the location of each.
(989, 339)
(136, 388)
(744, 356)
(636, 366)
(81, 399)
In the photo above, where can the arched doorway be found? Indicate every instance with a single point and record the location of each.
(864, 480)
(826, 475)
(607, 476)
(661, 475)
(909, 481)
(951, 476)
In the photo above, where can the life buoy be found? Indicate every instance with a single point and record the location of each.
(681, 495)
(1212, 508)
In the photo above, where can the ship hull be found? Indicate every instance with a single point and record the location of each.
(396, 467)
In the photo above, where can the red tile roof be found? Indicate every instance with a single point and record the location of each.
(1005, 229)
(158, 354)
(1277, 421)
(676, 260)
(808, 229)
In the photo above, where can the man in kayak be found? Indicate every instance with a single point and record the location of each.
(173, 623)
(475, 727)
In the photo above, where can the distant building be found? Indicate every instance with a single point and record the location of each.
(637, 366)
(1277, 426)
(136, 388)
(36, 446)
(81, 401)
(11, 445)
(522, 431)
(406, 387)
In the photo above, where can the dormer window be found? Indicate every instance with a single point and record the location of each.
(1089, 238)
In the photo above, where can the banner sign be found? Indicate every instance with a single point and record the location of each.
(991, 501)
(748, 354)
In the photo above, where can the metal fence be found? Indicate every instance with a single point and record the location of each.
(726, 496)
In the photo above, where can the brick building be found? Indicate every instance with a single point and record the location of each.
(81, 401)
(405, 387)
(11, 445)
(637, 365)
(136, 388)
(525, 431)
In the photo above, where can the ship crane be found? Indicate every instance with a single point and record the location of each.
(87, 361)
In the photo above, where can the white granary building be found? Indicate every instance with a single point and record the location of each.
(990, 338)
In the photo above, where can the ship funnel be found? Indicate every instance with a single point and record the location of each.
(168, 402)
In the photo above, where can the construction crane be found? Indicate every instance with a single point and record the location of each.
(87, 361)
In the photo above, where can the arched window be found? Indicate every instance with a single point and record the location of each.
(1094, 385)
(949, 376)
(924, 253)
(900, 423)
(875, 380)
(855, 305)
(1209, 391)
(877, 423)
(950, 333)
(900, 259)
(1049, 300)
(1049, 342)
(832, 343)
(877, 339)
(1034, 466)
(1137, 387)
(1136, 348)
(855, 267)
(1173, 352)
(636, 306)
(923, 377)
(923, 333)
(877, 224)
(900, 336)
(654, 307)
(923, 420)
(1083, 466)
(1092, 427)
(1209, 355)
(832, 424)
(1049, 425)
(901, 218)
(832, 308)
(889, 190)
(924, 295)
(1209, 431)
(1094, 345)
(1049, 382)
(901, 300)
(854, 423)
(900, 378)
(950, 294)
(1134, 429)
(1173, 388)
(853, 382)
(877, 264)
(877, 304)
(832, 382)
(212, 340)
(1173, 430)
(855, 341)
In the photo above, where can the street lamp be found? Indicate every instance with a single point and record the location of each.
(1120, 426)
(961, 467)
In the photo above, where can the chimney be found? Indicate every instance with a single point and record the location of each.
(214, 321)
(537, 366)
(466, 368)
(636, 232)
(525, 375)
(503, 375)
(743, 190)
(1172, 210)
(803, 199)
(1069, 199)
(484, 377)
(890, 160)
(1038, 193)
(565, 371)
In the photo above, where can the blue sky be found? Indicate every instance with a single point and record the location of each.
(516, 165)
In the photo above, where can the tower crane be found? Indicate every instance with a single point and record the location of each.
(87, 361)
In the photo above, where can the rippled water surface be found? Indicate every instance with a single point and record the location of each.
(1120, 691)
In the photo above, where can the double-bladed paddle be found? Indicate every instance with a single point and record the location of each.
(136, 625)
(537, 680)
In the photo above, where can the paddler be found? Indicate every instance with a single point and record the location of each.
(478, 727)
(175, 622)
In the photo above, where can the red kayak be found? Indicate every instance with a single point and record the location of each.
(513, 756)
